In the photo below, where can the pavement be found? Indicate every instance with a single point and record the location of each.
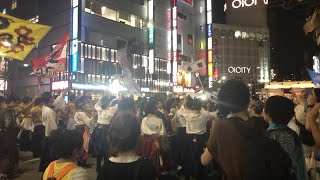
(28, 167)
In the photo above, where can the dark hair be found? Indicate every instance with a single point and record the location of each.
(64, 142)
(126, 104)
(255, 97)
(105, 101)
(258, 107)
(280, 109)
(150, 107)
(189, 103)
(26, 100)
(46, 96)
(10, 99)
(72, 97)
(38, 101)
(123, 134)
(234, 96)
(317, 94)
(81, 101)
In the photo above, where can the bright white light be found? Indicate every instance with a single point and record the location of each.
(135, 66)
(116, 87)
(203, 97)
(174, 12)
(6, 43)
(209, 5)
(151, 61)
(25, 65)
(209, 17)
(150, 25)
(210, 43)
(133, 21)
(150, 9)
(2, 54)
(223, 78)
(175, 39)
(237, 34)
(219, 81)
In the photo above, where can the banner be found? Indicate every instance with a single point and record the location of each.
(125, 56)
(19, 37)
(48, 65)
(315, 77)
(195, 66)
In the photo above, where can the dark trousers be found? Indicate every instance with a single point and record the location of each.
(36, 140)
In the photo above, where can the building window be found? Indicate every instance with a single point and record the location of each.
(190, 39)
(108, 13)
(14, 4)
(179, 41)
(182, 16)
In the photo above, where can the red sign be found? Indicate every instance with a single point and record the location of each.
(188, 1)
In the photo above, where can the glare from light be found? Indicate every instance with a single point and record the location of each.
(150, 25)
(6, 43)
(203, 97)
(223, 78)
(219, 81)
(116, 87)
(25, 65)
(237, 34)
(135, 66)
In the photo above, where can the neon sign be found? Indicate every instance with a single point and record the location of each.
(246, 3)
(209, 30)
(239, 70)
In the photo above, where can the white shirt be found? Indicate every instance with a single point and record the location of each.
(196, 121)
(179, 119)
(59, 103)
(105, 115)
(81, 118)
(152, 124)
(49, 119)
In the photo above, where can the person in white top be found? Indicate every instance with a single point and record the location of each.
(85, 123)
(49, 118)
(99, 136)
(152, 131)
(196, 119)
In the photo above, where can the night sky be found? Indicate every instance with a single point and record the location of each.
(291, 49)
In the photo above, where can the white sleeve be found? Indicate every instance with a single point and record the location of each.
(87, 120)
(97, 106)
(59, 103)
(143, 127)
(51, 122)
(79, 174)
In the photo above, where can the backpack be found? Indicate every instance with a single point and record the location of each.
(64, 171)
(305, 135)
(276, 162)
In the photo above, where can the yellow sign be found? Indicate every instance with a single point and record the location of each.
(19, 37)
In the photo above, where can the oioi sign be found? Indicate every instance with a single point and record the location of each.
(239, 70)
(246, 3)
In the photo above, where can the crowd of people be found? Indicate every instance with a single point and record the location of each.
(237, 136)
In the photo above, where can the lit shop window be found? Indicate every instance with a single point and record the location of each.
(14, 4)
(99, 9)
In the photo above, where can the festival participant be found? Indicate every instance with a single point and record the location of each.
(256, 120)
(68, 146)
(278, 111)
(125, 163)
(152, 129)
(196, 121)
(99, 137)
(71, 109)
(25, 124)
(49, 119)
(8, 139)
(38, 127)
(84, 123)
(240, 152)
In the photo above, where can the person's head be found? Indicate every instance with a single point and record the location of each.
(126, 105)
(233, 97)
(123, 134)
(2, 102)
(257, 108)
(278, 109)
(47, 98)
(83, 104)
(196, 104)
(72, 98)
(38, 101)
(105, 102)
(66, 144)
(151, 107)
(26, 100)
(11, 101)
